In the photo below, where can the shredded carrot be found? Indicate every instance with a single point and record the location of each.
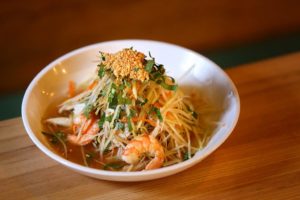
(178, 126)
(136, 119)
(151, 122)
(170, 116)
(71, 88)
(168, 94)
(129, 91)
(88, 124)
(92, 85)
(157, 104)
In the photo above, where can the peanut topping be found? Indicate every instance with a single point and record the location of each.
(128, 63)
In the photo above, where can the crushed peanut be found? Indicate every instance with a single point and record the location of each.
(127, 63)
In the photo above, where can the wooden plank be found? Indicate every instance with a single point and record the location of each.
(260, 160)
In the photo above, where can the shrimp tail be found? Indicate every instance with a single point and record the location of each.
(155, 163)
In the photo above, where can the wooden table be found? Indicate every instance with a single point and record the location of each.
(260, 160)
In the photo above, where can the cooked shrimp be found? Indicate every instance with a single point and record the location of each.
(86, 128)
(141, 145)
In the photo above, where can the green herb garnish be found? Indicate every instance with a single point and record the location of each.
(158, 113)
(186, 156)
(129, 123)
(101, 71)
(58, 137)
(112, 92)
(113, 104)
(101, 121)
(127, 84)
(149, 65)
(102, 56)
(109, 118)
(121, 86)
(112, 166)
(87, 110)
(132, 113)
(168, 87)
(155, 75)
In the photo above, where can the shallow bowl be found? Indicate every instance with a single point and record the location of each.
(191, 70)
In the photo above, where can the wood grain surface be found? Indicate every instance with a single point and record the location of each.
(34, 32)
(260, 160)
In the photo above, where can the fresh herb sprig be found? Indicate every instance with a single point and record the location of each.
(157, 74)
(58, 138)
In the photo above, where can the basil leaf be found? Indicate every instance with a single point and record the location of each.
(158, 113)
(112, 98)
(127, 101)
(113, 166)
(155, 75)
(132, 113)
(168, 87)
(109, 118)
(129, 123)
(113, 104)
(111, 95)
(127, 84)
(149, 65)
(101, 121)
(186, 156)
(101, 71)
(121, 87)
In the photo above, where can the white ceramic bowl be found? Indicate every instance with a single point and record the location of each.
(51, 83)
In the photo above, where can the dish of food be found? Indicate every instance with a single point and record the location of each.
(128, 116)
(200, 81)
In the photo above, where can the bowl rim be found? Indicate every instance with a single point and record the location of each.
(176, 167)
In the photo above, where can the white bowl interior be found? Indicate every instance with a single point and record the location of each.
(199, 73)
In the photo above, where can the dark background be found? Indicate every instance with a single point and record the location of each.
(230, 32)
